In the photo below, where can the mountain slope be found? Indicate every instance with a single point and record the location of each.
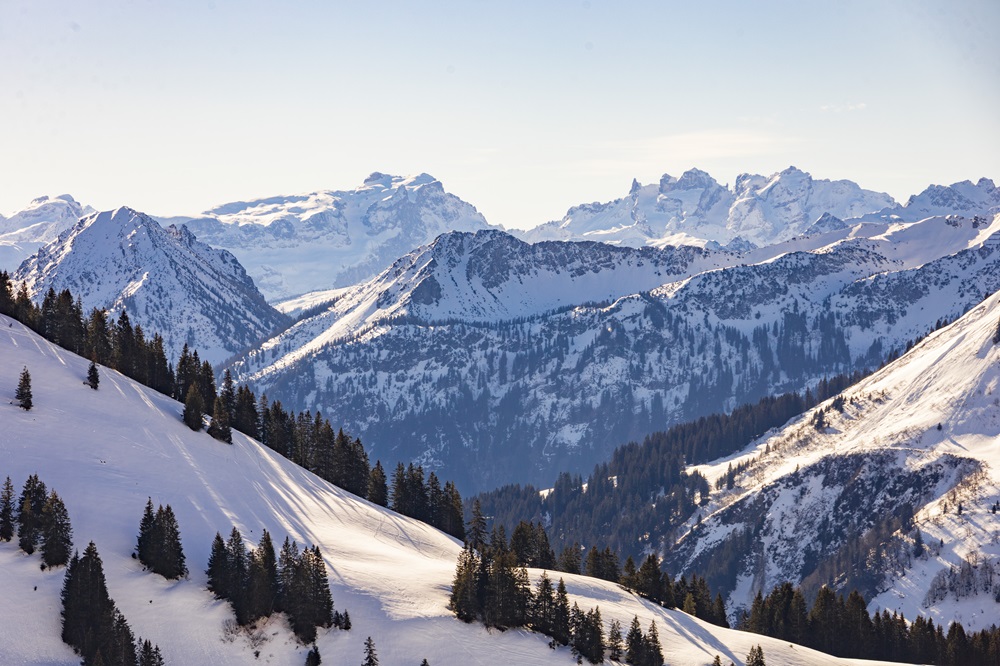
(479, 348)
(922, 438)
(167, 281)
(39, 223)
(291, 245)
(105, 452)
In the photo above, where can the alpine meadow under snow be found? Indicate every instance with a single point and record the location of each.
(106, 451)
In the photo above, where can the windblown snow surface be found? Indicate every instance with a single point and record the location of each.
(106, 451)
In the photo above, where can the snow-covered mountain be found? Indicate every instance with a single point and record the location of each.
(542, 358)
(919, 438)
(759, 210)
(962, 198)
(291, 245)
(167, 281)
(39, 223)
(105, 452)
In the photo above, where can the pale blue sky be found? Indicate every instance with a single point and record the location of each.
(521, 108)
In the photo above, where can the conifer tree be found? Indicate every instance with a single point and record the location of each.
(144, 542)
(542, 615)
(634, 642)
(27, 528)
(313, 658)
(23, 393)
(560, 615)
(263, 583)
(92, 625)
(615, 642)
(93, 376)
(371, 658)
(218, 568)
(194, 407)
(288, 562)
(237, 555)
(7, 516)
(463, 601)
(756, 656)
(31, 502)
(57, 534)
(653, 651)
(149, 654)
(168, 552)
(219, 428)
(378, 490)
(476, 534)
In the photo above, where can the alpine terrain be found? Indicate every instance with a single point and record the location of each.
(108, 452)
(542, 358)
(163, 278)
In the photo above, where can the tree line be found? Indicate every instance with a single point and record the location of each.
(644, 489)
(307, 439)
(492, 587)
(843, 627)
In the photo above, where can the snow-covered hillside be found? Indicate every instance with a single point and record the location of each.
(543, 358)
(106, 451)
(39, 223)
(757, 209)
(922, 436)
(291, 245)
(167, 281)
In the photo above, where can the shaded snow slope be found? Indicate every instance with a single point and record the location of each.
(39, 223)
(924, 431)
(106, 451)
(291, 245)
(167, 281)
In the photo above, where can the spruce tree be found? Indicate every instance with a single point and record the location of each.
(194, 407)
(93, 376)
(476, 534)
(218, 569)
(144, 542)
(756, 656)
(7, 517)
(57, 534)
(23, 393)
(263, 583)
(371, 658)
(615, 642)
(237, 554)
(168, 553)
(653, 651)
(27, 530)
(219, 428)
(378, 491)
(92, 625)
(463, 600)
(634, 642)
(149, 654)
(313, 658)
(560, 615)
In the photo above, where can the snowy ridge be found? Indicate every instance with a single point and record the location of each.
(925, 431)
(759, 210)
(167, 281)
(439, 361)
(105, 452)
(291, 245)
(486, 277)
(39, 223)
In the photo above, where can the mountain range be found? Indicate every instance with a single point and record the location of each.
(106, 451)
(544, 357)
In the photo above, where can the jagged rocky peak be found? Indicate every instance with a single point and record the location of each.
(334, 238)
(691, 179)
